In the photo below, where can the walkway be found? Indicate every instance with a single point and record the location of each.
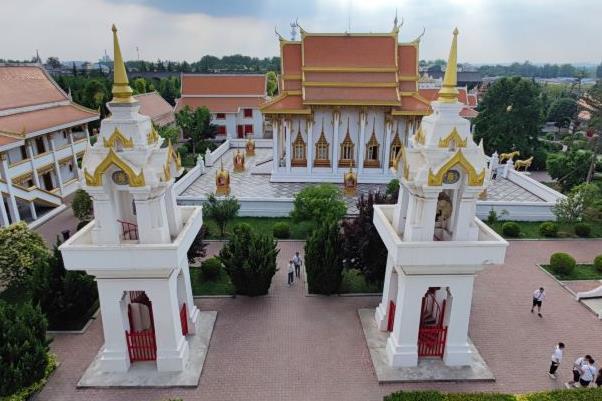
(289, 347)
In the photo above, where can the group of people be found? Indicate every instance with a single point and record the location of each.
(584, 369)
(294, 268)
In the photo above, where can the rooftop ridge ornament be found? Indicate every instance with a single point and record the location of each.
(122, 92)
(448, 92)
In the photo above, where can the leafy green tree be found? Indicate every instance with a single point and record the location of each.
(64, 296)
(250, 261)
(82, 205)
(198, 248)
(139, 86)
(53, 62)
(23, 347)
(573, 208)
(20, 251)
(196, 125)
(569, 169)
(95, 94)
(363, 249)
(272, 83)
(317, 203)
(221, 210)
(170, 133)
(562, 111)
(393, 189)
(324, 258)
(510, 116)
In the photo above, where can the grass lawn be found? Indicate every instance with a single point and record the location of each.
(354, 282)
(200, 286)
(530, 229)
(581, 272)
(262, 225)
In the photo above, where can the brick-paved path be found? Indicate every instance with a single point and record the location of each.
(289, 347)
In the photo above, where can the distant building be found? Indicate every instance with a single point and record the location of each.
(232, 99)
(158, 109)
(43, 136)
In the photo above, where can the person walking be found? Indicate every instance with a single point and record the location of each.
(538, 297)
(556, 358)
(291, 273)
(297, 262)
(588, 372)
(577, 367)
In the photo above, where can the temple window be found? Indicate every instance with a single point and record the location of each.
(347, 150)
(372, 148)
(299, 159)
(322, 154)
(248, 113)
(395, 149)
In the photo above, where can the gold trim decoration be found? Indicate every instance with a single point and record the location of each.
(350, 182)
(349, 69)
(112, 159)
(453, 136)
(419, 136)
(222, 181)
(299, 143)
(166, 172)
(322, 143)
(372, 143)
(173, 155)
(347, 144)
(396, 148)
(238, 161)
(152, 136)
(474, 179)
(116, 137)
(351, 84)
(449, 91)
(406, 167)
(122, 92)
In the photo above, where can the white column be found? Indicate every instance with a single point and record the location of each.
(457, 350)
(464, 227)
(401, 210)
(361, 146)
(12, 201)
(107, 229)
(4, 221)
(336, 119)
(310, 144)
(287, 140)
(74, 156)
(114, 356)
(402, 345)
(387, 149)
(57, 169)
(32, 209)
(87, 131)
(174, 216)
(30, 155)
(172, 347)
(192, 311)
(275, 153)
(151, 218)
(422, 209)
(389, 294)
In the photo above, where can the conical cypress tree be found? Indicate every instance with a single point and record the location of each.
(323, 259)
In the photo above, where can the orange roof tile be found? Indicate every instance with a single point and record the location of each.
(340, 76)
(157, 108)
(43, 119)
(220, 104)
(407, 55)
(7, 140)
(29, 85)
(227, 84)
(412, 104)
(350, 94)
(468, 113)
(349, 51)
(291, 58)
(432, 94)
(285, 103)
(472, 100)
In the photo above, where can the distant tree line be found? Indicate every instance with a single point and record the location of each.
(210, 64)
(527, 69)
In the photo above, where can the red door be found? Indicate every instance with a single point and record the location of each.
(391, 316)
(432, 334)
(239, 131)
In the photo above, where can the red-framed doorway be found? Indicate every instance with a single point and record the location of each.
(432, 333)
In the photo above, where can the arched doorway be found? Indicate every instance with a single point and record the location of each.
(432, 332)
(141, 342)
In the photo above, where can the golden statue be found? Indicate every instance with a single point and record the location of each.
(250, 146)
(239, 161)
(350, 182)
(525, 164)
(508, 156)
(222, 181)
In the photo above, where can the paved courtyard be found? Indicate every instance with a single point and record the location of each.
(255, 183)
(286, 346)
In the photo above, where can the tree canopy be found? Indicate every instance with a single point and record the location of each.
(509, 117)
(562, 111)
(20, 251)
(196, 125)
(317, 203)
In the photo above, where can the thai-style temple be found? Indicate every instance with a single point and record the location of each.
(346, 99)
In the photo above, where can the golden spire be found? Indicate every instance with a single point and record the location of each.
(448, 92)
(122, 93)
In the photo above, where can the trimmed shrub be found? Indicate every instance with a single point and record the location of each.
(548, 229)
(587, 394)
(511, 229)
(23, 347)
(211, 268)
(324, 259)
(598, 263)
(562, 263)
(583, 230)
(415, 396)
(281, 230)
(82, 206)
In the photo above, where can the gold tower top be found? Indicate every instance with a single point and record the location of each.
(448, 92)
(122, 93)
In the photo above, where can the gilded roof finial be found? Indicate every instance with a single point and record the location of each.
(448, 92)
(122, 93)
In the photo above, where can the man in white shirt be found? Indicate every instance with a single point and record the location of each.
(588, 372)
(538, 297)
(291, 272)
(297, 263)
(578, 368)
(556, 358)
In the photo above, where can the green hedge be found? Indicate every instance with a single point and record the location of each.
(27, 393)
(590, 394)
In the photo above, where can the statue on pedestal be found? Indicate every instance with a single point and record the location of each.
(350, 182)
(222, 181)
(250, 146)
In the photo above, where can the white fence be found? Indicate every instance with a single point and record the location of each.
(212, 157)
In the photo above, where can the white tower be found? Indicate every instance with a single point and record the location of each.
(435, 242)
(136, 246)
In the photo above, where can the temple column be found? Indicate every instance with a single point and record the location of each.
(4, 221)
(74, 156)
(114, 355)
(32, 209)
(275, 153)
(87, 131)
(309, 124)
(287, 139)
(12, 201)
(389, 294)
(336, 119)
(30, 155)
(362, 142)
(387, 152)
(457, 350)
(57, 169)
(464, 227)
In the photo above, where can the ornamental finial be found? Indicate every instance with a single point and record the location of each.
(448, 92)
(122, 93)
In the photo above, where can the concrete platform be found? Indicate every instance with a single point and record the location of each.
(144, 374)
(427, 370)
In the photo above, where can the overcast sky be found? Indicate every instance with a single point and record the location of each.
(491, 31)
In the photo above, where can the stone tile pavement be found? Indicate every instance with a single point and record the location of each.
(289, 347)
